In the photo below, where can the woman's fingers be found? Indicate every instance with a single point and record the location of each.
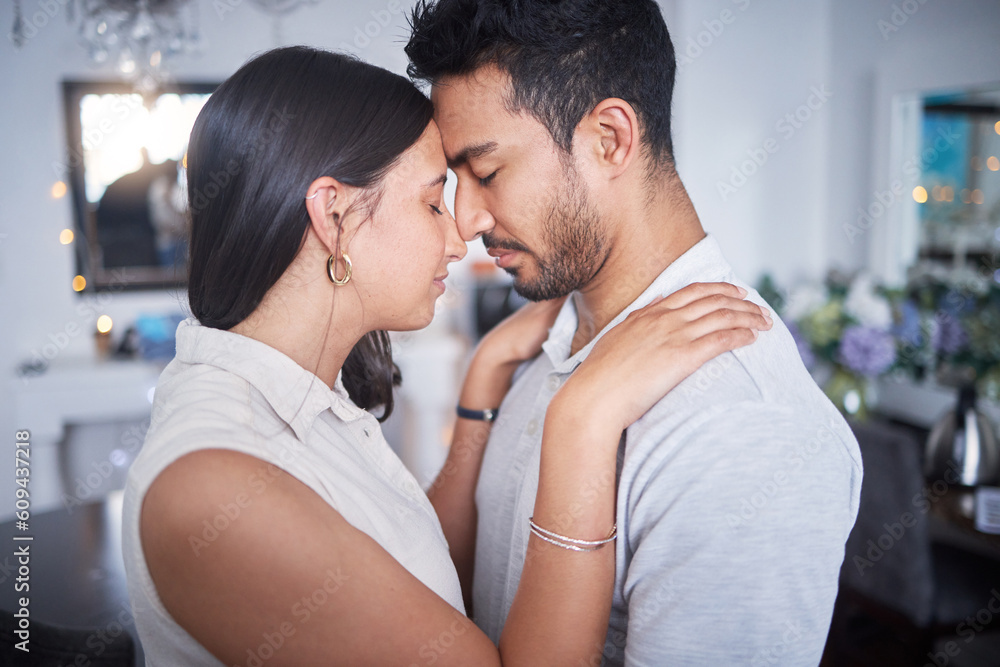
(728, 318)
(658, 346)
(699, 299)
(699, 308)
(717, 342)
(697, 291)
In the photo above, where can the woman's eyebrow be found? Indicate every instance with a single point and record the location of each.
(437, 181)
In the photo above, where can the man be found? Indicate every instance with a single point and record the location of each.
(737, 491)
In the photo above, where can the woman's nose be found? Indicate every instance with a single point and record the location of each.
(454, 246)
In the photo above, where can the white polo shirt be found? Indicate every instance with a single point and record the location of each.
(224, 390)
(736, 495)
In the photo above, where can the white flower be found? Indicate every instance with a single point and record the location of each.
(804, 300)
(866, 306)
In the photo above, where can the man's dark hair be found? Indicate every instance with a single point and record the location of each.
(563, 57)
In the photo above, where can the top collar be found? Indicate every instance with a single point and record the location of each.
(298, 396)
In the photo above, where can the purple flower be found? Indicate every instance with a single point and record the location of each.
(948, 336)
(808, 358)
(867, 351)
(909, 329)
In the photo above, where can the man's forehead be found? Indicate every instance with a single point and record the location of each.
(457, 101)
(470, 111)
(487, 83)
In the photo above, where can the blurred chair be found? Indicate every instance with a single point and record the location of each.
(53, 646)
(893, 573)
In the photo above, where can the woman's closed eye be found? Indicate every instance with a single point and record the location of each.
(488, 179)
(436, 209)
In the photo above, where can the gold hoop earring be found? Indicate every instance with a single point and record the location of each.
(331, 269)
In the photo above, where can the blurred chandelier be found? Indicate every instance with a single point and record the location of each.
(139, 35)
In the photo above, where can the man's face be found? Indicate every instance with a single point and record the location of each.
(517, 189)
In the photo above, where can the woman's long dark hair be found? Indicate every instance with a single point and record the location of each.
(284, 119)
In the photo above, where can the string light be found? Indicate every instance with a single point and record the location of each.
(58, 190)
(79, 283)
(104, 324)
(66, 236)
(920, 194)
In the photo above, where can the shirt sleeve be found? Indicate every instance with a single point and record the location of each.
(736, 538)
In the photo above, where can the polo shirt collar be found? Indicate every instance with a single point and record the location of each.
(297, 396)
(700, 263)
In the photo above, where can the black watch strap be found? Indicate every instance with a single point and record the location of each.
(478, 415)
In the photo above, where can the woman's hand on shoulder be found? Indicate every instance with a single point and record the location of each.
(637, 362)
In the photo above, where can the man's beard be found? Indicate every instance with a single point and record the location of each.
(572, 233)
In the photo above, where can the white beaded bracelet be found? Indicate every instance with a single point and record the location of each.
(569, 542)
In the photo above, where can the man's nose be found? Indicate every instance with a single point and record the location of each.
(471, 214)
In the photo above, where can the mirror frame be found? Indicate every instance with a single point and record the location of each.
(86, 251)
(894, 80)
(906, 139)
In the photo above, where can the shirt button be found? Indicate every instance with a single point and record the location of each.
(554, 382)
(368, 432)
(532, 427)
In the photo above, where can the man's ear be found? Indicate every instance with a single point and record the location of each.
(611, 135)
(327, 201)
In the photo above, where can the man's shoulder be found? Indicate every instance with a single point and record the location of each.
(766, 379)
(771, 462)
(744, 411)
(750, 429)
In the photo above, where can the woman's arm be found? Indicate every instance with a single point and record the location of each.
(291, 579)
(289, 576)
(517, 339)
(454, 489)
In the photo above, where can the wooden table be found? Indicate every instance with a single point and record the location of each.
(952, 521)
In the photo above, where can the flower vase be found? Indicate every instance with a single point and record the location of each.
(852, 394)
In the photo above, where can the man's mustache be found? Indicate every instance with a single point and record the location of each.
(493, 243)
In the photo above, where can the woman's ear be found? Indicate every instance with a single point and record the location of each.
(327, 201)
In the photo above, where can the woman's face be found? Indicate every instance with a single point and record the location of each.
(401, 255)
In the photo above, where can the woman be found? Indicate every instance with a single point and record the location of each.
(266, 519)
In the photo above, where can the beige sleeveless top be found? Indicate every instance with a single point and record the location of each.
(224, 390)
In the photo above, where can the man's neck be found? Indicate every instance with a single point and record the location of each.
(651, 239)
